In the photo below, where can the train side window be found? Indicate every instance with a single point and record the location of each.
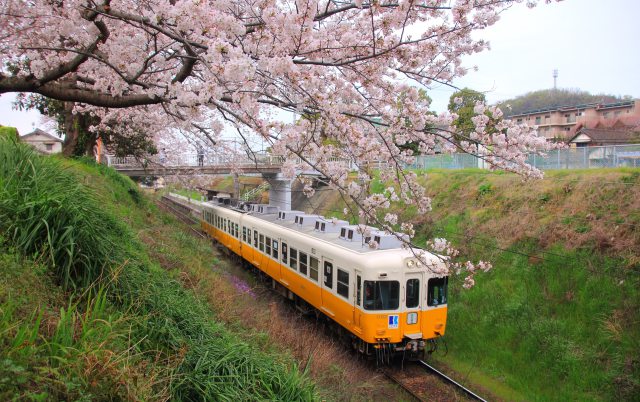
(284, 252)
(358, 289)
(413, 293)
(244, 234)
(381, 295)
(303, 263)
(293, 261)
(437, 291)
(262, 243)
(343, 232)
(350, 234)
(313, 268)
(225, 225)
(255, 238)
(237, 231)
(267, 248)
(328, 274)
(343, 283)
(275, 249)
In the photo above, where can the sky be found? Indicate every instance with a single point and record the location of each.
(592, 44)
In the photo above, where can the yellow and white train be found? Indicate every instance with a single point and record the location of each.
(383, 299)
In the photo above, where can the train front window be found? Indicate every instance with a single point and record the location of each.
(413, 293)
(437, 292)
(381, 295)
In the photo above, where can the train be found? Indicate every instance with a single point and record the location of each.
(374, 291)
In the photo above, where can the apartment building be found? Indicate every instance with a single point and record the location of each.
(562, 123)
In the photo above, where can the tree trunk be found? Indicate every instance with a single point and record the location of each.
(71, 130)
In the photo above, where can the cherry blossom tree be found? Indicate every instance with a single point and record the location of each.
(353, 72)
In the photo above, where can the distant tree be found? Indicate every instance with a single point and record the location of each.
(549, 98)
(80, 138)
(463, 103)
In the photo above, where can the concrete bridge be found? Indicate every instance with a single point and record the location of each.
(194, 165)
(269, 166)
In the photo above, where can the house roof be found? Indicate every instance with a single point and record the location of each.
(608, 135)
(37, 131)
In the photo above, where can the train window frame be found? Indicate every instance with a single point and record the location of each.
(440, 299)
(244, 234)
(412, 293)
(373, 289)
(274, 249)
(342, 283)
(314, 265)
(328, 274)
(237, 230)
(267, 245)
(293, 258)
(255, 239)
(225, 225)
(303, 263)
(358, 289)
(261, 243)
(284, 253)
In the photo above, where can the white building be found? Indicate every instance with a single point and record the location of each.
(43, 142)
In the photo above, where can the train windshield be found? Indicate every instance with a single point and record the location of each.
(381, 295)
(437, 292)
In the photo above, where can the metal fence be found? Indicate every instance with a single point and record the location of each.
(571, 158)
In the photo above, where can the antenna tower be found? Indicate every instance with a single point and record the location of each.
(555, 79)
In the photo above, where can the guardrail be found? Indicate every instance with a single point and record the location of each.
(571, 158)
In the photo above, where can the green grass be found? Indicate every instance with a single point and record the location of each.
(558, 318)
(121, 310)
(563, 326)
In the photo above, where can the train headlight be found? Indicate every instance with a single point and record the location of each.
(412, 318)
(410, 263)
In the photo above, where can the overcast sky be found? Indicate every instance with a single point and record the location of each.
(592, 43)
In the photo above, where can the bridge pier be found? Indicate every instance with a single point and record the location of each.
(279, 191)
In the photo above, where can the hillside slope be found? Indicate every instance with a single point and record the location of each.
(97, 297)
(558, 318)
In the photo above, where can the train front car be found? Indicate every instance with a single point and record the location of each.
(401, 304)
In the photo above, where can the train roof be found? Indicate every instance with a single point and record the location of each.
(356, 243)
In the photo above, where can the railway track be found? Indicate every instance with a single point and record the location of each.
(412, 383)
(417, 387)
(173, 207)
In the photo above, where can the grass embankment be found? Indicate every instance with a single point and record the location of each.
(558, 318)
(89, 313)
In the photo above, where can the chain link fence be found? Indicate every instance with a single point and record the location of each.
(571, 158)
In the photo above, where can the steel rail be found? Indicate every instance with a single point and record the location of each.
(185, 218)
(401, 384)
(449, 380)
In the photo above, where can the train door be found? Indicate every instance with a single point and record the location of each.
(357, 301)
(414, 289)
(328, 286)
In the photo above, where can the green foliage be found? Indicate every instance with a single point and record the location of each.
(46, 213)
(550, 98)
(11, 132)
(464, 110)
(484, 189)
